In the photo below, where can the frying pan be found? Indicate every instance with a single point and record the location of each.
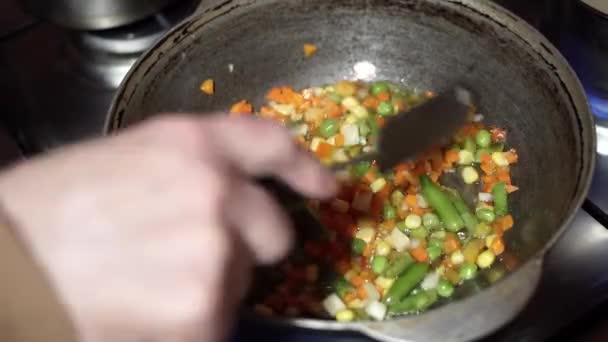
(526, 86)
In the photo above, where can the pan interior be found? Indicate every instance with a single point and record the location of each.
(421, 44)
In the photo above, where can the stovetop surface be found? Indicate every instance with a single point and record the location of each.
(52, 97)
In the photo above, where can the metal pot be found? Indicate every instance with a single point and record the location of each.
(248, 46)
(93, 14)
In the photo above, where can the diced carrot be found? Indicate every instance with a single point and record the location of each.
(371, 102)
(268, 113)
(366, 275)
(451, 243)
(399, 104)
(451, 156)
(411, 201)
(402, 167)
(370, 177)
(389, 224)
(512, 188)
(208, 87)
(242, 107)
(400, 179)
(381, 122)
(488, 168)
(498, 134)
(420, 254)
(384, 96)
(350, 296)
(412, 189)
(324, 150)
(470, 129)
(309, 49)
(334, 110)
(418, 211)
(356, 281)
(361, 292)
(511, 156)
(285, 95)
(452, 276)
(339, 140)
(485, 158)
(436, 160)
(498, 246)
(505, 222)
(504, 177)
(435, 176)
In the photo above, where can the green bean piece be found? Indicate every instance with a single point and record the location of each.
(379, 87)
(483, 138)
(342, 287)
(486, 214)
(386, 108)
(399, 265)
(328, 128)
(379, 264)
(445, 288)
(373, 126)
(389, 212)
(499, 191)
(364, 129)
(430, 220)
(434, 252)
(470, 221)
(415, 302)
(407, 282)
(440, 202)
(361, 168)
(358, 246)
(468, 271)
(469, 145)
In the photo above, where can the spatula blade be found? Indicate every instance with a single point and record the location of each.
(431, 123)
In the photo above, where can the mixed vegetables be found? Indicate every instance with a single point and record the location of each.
(395, 242)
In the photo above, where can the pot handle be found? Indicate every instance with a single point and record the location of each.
(467, 319)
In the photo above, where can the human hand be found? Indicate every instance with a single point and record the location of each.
(151, 235)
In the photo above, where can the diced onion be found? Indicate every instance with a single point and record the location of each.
(465, 157)
(366, 234)
(362, 201)
(485, 197)
(299, 130)
(499, 159)
(430, 281)
(372, 292)
(360, 112)
(376, 310)
(351, 135)
(314, 144)
(285, 109)
(414, 243)
(399, 240)
(340, 155)
(421, 201)
(470, 175)
(333, 304)
(378, 185)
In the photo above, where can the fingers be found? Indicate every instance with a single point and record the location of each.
(262, 148)
(261, 224)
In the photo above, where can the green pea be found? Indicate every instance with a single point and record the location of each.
(486, 215)
(434, 252)
(361, 168)
(468, 271)
(401, 226)
(397, 198)
(358, 246)
(389, 212)
(445, 288)
(328, 128)
(483, 138)
(379, 264)
(342, 287)
(433, 242)
(419, 233)
(335, 97)
(386, 108)
(379, 87)
(430, 220)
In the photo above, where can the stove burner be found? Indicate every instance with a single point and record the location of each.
(107, 55)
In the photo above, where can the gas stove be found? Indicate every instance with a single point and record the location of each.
(57, 86)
